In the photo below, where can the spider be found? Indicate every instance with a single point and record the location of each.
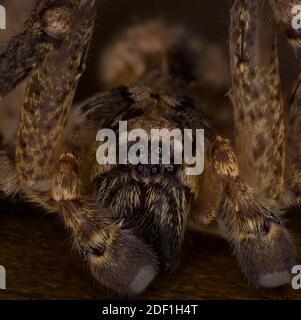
(128, 222)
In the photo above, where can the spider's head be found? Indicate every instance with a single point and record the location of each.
(151, 195)
(152, 200)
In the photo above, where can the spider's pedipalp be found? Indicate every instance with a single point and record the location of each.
(117, 258)
(43, 33)
(130, 266)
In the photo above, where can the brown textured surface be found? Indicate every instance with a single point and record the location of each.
(40, 265)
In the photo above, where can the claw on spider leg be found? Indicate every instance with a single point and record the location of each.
(271, 217)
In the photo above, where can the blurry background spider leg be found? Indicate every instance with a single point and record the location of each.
(115, 256)
(43, 33)
(257, 100)
(45, 111)
(292, 196)
(260, 243)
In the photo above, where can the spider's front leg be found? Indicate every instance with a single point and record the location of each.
(48, 100)
(115, 256)
(43, 33)
(260, 242)
(261, 245)
(257, 99)
(283, 11)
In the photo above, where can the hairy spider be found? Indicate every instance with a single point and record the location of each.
(128, 222)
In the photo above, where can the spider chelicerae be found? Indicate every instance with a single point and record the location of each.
(128, 222)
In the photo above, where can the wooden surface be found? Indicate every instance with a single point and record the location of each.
(40, 265)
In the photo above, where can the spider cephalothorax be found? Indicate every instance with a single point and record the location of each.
(128, 221)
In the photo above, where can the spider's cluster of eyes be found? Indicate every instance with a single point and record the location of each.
(147, 170)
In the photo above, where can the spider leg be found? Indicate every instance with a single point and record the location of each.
(45, 111)
(292, 195)
(257, 99)
(260, 242)
(9, 184)
(43, 33)
(115, 256)
(266, 256)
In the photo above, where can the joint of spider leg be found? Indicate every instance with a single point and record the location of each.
(271, 217)
(57, 23)
(224, 160)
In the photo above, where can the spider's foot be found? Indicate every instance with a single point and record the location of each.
(116, 257)
(126, 265)
(261, 243)
(267, 260)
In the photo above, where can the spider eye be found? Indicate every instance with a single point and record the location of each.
(170, 168)
(155, 169)
(140, 167)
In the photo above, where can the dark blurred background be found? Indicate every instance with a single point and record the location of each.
(33, 245)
